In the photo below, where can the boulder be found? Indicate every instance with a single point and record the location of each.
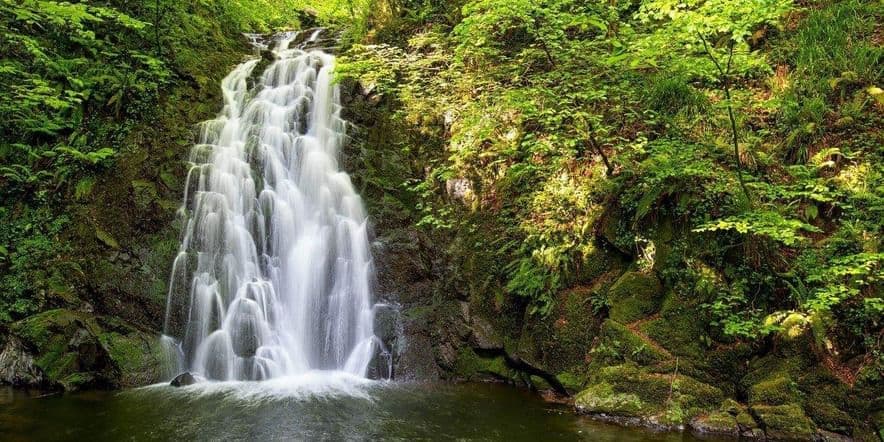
(183, 379)
(634, 296)
(17, 366)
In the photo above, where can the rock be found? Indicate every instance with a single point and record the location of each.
(634, 296)
(777, 391)
(784, 421)
(17, 366)
(183, 379)
(74, 350)
(601, 398)
(627, 342)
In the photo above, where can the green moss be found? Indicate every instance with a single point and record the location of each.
(144, 192)
(106, 238)
(628, 345)
(65, 345)
(601, 398)
(671, 399)
(571, 381)
(594, 263)
(470, 366)
(679, 333)
(136, 356)
(831, 404)
(718, 422)
(784, 421)
(634, 296)
(776, 391)
(774, 366)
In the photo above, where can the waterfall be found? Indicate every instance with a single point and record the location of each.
(273, 275)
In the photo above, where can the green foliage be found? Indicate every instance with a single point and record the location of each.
(30, 253)
(76, 80)
(769, 224)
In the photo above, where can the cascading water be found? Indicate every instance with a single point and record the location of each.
(273, 276)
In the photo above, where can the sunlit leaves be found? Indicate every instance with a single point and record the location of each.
(768, 223)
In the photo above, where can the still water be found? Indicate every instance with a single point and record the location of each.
(287, 409)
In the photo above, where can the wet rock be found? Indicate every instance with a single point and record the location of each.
(183, 379)
(17, 366)
(76, 349)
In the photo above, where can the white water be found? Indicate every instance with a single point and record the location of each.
(274, 269)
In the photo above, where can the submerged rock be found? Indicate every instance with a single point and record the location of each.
(183, 379)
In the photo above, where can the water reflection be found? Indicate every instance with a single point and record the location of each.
(252, 411)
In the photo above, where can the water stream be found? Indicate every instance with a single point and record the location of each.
(273, 277)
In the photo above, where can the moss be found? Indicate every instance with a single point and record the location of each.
(777, 391)
(784, 421)
(601, 398)
(717, 422)
(571, 381)
(634, 296)
(831, 404)
(670, 399)
(594, 263)
(561, 342)
(773, 366)
(136, 356)
(77, 350)
(628, 345)
(679, 334)
(144, 193)
(65, 347)
(470, 366)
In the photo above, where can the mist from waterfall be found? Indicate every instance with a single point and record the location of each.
(273, 276)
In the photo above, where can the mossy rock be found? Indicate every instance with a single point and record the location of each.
(75, 350)
(777, 391)
(470, 367)
(832, 404)
(615, 229)
(772, 366)
(137, 356)
(66, 348)
(571, 381)
(784, 421)
(717, 422)
(634, 296)
(595, 263)
(602, 399)
(561, 342)
(679, 334)
(669, 399)
(629, 345)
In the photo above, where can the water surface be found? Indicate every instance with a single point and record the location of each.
(338, 408)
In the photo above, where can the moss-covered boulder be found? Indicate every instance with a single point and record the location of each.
(626, 344)
(779, 390)
(784, 422)
(731, 419)
(634, 296)
(74, 350)
(470, 366)
(601, 398)
(663, 399)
